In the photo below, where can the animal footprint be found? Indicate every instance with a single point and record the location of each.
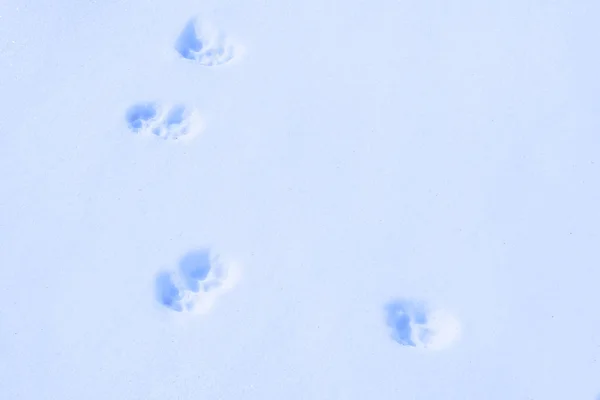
(197, 283)
(415, 325)
(205, 45)
(166, 122)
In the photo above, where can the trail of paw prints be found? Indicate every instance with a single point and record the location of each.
(163, 121)
(413, 324)
(197, 282)
(205, 45)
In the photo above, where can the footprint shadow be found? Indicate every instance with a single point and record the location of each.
(167, 293)
(140, 114)
(203, 45)
(401, 316)
(194, 268)
(188, 43)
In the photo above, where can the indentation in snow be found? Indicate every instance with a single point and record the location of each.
(199, 280)
(413, 324)
(204, 44)
(166, 122)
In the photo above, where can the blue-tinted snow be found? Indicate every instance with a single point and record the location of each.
(442, 150)
(399, 322)
(176, 115)
(174, 123)
(195, 282)
(401, 315)
(194, 268)
(188, 43)
(203, 45)
(139, 114)
(167, 292)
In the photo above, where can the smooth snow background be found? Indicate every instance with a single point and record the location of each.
(360, 151)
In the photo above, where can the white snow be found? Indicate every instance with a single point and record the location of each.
(343, 154)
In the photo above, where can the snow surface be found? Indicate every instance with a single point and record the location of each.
(225, 200)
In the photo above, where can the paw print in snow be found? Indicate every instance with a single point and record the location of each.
(205, 45)
(197, 283)
(174, 122)
(413, 324)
